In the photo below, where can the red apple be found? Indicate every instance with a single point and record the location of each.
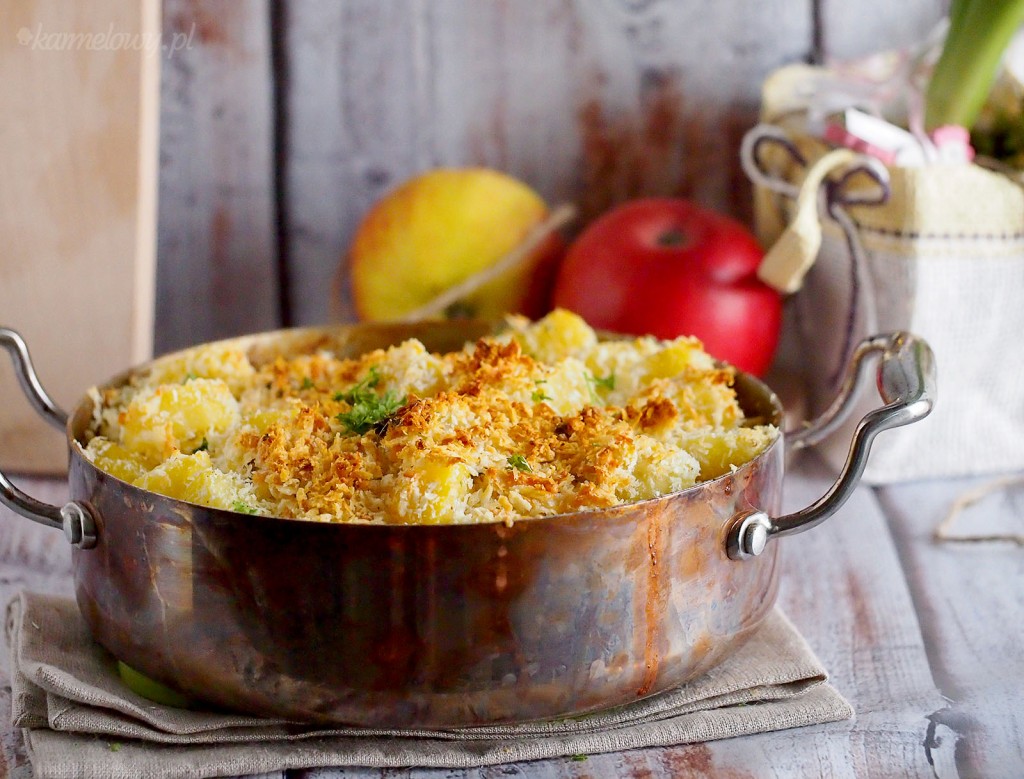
(668, 267)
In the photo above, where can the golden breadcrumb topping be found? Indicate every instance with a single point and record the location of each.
(541, 419)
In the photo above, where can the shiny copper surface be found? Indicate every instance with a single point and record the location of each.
(424, 626)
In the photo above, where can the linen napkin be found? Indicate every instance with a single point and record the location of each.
(81, 721)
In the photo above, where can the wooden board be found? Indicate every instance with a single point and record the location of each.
(283, 123)
(849, 30)
(217, 274)
(970, 601)
(37, 558)
(586, 102)
(78, 130)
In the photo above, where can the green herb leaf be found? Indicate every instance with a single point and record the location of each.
(578, 758)
(606, 382)
(518, 462)
(361, 390)
(369, 410)
(307, 383)
(243, 508)
(539, 395)
(115, 746)
(189, 377)
(203, 447)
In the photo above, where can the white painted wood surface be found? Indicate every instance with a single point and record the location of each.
(850, 30)
(970, 600)
(284, 122)
(217, 240)
(588, 102)
(923, 638)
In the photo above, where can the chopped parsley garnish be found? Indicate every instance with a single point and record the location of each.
(307, 383)
(518, 462)
(360, 390)
(578, 758)
(203, 447)
(243, 508)
(189, 377)
(605, 382)
(539, 394)
(114, 746)
(369, 410)
(369, 413)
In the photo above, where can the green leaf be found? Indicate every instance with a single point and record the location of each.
(538, 396)
(593, 382)
(307, 383)
(979, 32)
(369, 410)
(362, 389)
(243, 508)
(518, 462)
(369, 413)
(203, 447)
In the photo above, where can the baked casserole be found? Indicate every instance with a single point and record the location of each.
(541, 419)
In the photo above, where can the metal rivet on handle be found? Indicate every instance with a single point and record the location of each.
(749, 536)
(79, 525)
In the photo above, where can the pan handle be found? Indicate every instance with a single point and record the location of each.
(906, 384)
(75, 518)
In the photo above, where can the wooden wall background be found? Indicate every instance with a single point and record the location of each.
(283, 120)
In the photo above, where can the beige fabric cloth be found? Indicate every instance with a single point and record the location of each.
(80, 721)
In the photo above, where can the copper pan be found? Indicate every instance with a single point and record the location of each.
(451, 625)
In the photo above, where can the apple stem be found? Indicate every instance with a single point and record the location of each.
(558, 218)
(672, 237)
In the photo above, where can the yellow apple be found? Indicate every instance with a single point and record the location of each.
(441, 228)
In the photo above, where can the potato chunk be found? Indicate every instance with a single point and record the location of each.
(435, 494)
(177, 417)
(115, 459)
(192, 478)
(559, 335)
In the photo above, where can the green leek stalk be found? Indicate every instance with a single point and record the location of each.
(979, 32)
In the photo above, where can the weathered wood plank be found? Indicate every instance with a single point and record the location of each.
(14, 763)
(969, 600)
(851, 30)
(32, 557)
(29, 545)
(356, 125)
(217, 234)
(588, 102)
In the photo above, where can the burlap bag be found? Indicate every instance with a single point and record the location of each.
(937, 250)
